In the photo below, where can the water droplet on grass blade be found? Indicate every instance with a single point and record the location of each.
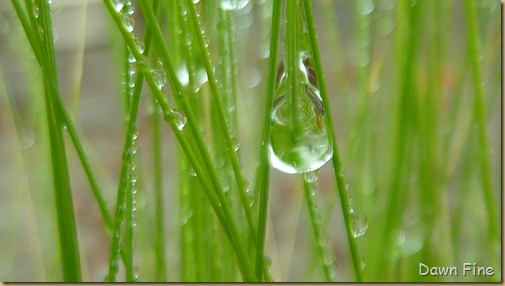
(233, 4)
(140, 45)
(35, 10)
(160, 78)
(128, 22)
(359, 223)
(180, 118)
(118, 5)
(299, 142)
(311, 177)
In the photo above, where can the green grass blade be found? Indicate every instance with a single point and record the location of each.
(225, 126)
(41, 39)
(337, 164)
(262, 177)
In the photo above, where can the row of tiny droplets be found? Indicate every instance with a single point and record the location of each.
(126, 9)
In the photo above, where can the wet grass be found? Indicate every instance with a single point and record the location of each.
(407, 98)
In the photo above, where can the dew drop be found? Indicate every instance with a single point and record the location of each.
(233, 4)
(118, 5)
(359, 223)
(180, 118)
(35, 10)
(192, 172)
(311, 177)
(140, 44)
(236, 144)
(128, 9)
(131, 58)
(160, 78)
(299, 141)
(128, 22)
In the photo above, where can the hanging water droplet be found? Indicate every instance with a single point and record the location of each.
(359, 223)
(299, 142)
(233, 4)
(180, 118)
(128, 22)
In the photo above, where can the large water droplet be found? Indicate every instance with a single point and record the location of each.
(359, 223)
(299, 142)
(233, 4)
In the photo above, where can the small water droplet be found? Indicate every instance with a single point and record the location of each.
(128, 22)
(136, 274)
(140, 45)
(160, 78)
(359, 223)
(236, 144)
(35, 10)
(128, 9)
(180, 118)
(118, 5)
(233, 4)
(192, 172)
(311, 177)
(131, 58)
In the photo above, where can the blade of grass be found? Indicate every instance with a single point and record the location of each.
(262, 178)
(39, 33)
(225, 217)
(337, 164)
(225, 126)
(325, 254)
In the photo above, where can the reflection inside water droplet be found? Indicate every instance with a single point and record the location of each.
(359, 223)
(299, 142)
